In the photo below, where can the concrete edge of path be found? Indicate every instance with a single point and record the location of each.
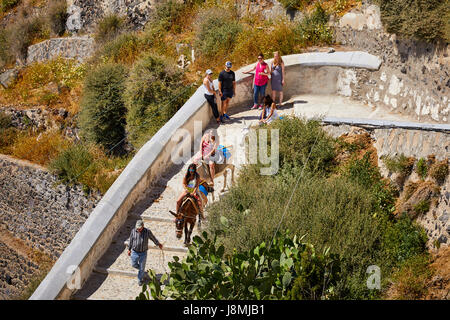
(387, 124)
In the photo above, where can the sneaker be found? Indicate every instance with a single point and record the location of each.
(226, 116)
(140, 283)
(255, 106)
(260, 107)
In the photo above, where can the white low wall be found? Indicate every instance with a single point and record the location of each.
(305, 73)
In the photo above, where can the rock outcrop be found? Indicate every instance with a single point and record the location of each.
(414, 77)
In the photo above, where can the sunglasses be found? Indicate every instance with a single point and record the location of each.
(191, 170)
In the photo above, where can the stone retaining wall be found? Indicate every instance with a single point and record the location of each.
(35, 208)
(415, 76)
(15, 272)
(78, 48)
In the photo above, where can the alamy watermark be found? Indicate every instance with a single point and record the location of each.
(374, 279)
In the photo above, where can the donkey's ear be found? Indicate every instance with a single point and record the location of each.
(173, 213)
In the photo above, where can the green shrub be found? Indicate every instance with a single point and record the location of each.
(323, 209)
(422, 168)
(5, 121)
(403, 240)
(447, 26)
(304, 143)
(439, 171)
(363, 171)
(422, 207)
(279, 36)
(316, 276)
(72, 163)
(125, 48)
(8, 4)
(419, 19)
(295, 4)
(109, 27)
(399, 164)
(5, 52)
(313, 29)
(24, 32)
(167, 16)
(216, 32)
(258, 273)
(56, 15)
(8, 137)
(154, 92)
(102, 116)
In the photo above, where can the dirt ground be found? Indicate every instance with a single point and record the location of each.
(439, 285)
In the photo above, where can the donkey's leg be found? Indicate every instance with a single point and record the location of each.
(224, 180)
(232, 174)
(190, 230)
(186, 233)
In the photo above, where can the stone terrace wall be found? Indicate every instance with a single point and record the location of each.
(414, 78)
(78, 48)
(33, 207)
(15, 272)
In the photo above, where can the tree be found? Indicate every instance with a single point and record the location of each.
(102, 116)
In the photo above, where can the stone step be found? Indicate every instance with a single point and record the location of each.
(108, 287)
(155, 217)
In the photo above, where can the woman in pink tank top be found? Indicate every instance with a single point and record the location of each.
(262, 72)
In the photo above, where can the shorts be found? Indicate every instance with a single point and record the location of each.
(226, 94)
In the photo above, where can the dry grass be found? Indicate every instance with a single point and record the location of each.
(439, 285)
(56, 83)
(410, 282)
(355, 145)
(423, 278)
(40, 149)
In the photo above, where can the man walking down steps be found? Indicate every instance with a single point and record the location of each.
(138, 246)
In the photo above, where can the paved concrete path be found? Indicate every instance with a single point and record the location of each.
(114, 278)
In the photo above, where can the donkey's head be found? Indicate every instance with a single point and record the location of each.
(179, 223)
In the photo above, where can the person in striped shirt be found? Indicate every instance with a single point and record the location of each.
(138, 246)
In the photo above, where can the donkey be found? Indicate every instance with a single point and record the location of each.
(187, 214)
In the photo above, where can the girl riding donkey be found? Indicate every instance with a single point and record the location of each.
(190, 203)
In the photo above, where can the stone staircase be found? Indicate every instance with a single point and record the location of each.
(113, 277)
